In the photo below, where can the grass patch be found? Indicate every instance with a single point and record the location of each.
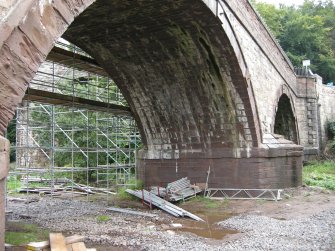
(321, 174)
(22, 233)
(12, 184)
(103, 218)
(135, 185)
(123, 195)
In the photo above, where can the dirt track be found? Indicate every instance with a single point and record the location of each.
(260, 225)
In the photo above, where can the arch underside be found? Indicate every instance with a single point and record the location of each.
(177, 70)
(285, 120)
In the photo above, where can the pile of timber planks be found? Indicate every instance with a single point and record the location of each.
(57, 242)
(61, 187)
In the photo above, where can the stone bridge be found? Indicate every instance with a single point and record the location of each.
(209, 86)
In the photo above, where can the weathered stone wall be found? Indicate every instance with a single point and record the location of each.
(306, 111)
(325, 104)
(4, 167)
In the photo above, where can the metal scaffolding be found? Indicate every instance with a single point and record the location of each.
(74, 125)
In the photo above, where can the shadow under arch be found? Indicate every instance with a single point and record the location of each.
(285, 121)
(177, 69)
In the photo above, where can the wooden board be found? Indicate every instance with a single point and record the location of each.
(57, 242)
(79, 246)
(36, 246)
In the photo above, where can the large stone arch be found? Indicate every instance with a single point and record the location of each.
(182, 69)
(173, 61)
(188, 49)
(285, 120)
(177, 69)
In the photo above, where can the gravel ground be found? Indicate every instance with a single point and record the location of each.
(316, 232)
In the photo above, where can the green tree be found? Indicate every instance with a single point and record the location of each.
(305, 32)
(11, 136)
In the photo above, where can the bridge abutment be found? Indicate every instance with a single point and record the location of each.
(276, 164)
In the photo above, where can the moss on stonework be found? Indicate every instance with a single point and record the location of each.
(184, 40)
(225, 99)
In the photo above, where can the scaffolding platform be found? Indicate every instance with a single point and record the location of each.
(243, 194)
(74, 123)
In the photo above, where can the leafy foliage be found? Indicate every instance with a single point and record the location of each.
(320, 174)
(11, 136)
(136, 185)
(305, 32)
(331, 130)
(331, 135)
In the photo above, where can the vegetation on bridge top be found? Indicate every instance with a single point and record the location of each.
(304, 32)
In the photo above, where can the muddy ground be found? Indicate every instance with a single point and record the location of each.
(303, 220)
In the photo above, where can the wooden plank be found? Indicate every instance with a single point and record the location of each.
(69, 247)
(71, 59)
(67, 100)
(57, 242)
(36, 246)
(74, 238)
(79, 246)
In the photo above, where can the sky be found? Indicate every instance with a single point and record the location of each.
(286, 2)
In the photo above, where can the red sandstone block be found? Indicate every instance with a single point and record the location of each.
(53, 21)
(25, 50)
(39, 36)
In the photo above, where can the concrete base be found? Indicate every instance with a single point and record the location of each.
(267, 167)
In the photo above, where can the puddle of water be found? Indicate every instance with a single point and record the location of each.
(279, 218)
(207, 229)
